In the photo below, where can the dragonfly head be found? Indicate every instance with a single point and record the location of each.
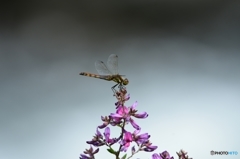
(125, 81)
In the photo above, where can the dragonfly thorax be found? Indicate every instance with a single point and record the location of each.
(119, 79)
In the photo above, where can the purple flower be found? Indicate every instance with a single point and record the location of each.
(183, 155)
(141, 115)
(105, 122)
(140, 139)
(125, 98)
(97, 139)
(137, 115)
(134, 105)
(96, 143)
(163, 155)
(90, 153)
(134, 124)
(148, 146)
(98, 134)
(126, 141)
(121, 113)
(125, 113)
(82, 156)
(107, 137)
(107, 134)
(121, 118)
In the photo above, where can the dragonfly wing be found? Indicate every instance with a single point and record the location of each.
(102, 68)
(112, 64)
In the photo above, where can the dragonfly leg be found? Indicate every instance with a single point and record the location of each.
(113, 88)
(121, 87)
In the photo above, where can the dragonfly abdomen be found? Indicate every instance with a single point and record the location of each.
(89, 74)
(108, 78)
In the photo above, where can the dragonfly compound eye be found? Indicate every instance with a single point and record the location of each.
(125, 81)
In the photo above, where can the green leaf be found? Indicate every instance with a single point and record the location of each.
(112, 151)
(124, 157)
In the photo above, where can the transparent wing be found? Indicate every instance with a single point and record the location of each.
(112, 64)
(102, 68)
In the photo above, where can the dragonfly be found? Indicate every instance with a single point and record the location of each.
(108, 72)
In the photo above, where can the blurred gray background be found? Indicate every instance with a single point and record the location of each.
(181, 58)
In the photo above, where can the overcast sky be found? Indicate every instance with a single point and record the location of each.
(181, 58)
